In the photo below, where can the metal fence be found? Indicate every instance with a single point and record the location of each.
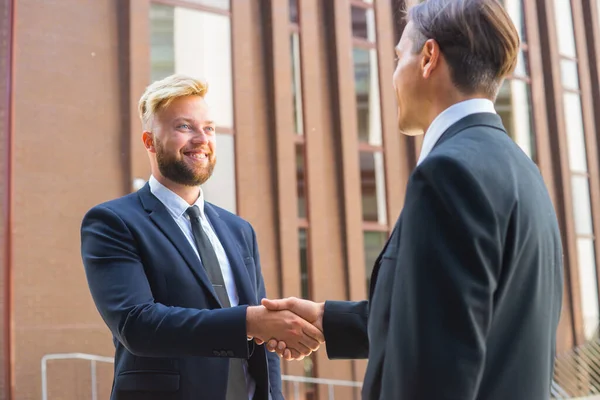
(95, 359)
(577, 372)
(576, 376)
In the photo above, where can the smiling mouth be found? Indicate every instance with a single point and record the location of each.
(197, 156)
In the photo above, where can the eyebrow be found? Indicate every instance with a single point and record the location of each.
(186, 119)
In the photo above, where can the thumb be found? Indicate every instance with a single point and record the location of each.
(277, 305)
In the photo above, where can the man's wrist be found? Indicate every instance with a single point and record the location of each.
(252, 321)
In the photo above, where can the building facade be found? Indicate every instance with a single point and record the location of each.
(308, 151)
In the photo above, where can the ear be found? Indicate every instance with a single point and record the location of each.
(148, 140)
(430, 57)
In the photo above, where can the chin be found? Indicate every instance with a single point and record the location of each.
(408, 129)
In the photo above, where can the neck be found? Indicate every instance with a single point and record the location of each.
(442, 103)
(188, 193)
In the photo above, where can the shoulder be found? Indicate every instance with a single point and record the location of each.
(122, 208)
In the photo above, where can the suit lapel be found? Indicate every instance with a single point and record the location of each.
(238, 267)
(160, 216)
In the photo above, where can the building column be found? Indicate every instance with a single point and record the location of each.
(6, 129)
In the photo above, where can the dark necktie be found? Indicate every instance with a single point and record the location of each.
(236, 384)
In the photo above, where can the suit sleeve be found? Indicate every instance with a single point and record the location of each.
(272, 358)
(122, 295)
(448, 263)
(345, 329)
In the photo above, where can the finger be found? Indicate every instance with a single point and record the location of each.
(292, 354)
(302, 349)
(272, 345)
(278, 305)
(310, 343)
(258, 341)
(313, 332)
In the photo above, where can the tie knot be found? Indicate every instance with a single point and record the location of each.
(193, 212)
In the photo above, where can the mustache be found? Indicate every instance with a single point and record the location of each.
(197, 149)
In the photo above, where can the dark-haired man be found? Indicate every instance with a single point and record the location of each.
(466, 295)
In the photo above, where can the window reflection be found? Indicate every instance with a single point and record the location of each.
(367, 96)
(220, 4)
(301, 181)
(581, 204)
(296, 84)
(569, 74)
(564, 27)
(575, 136)
(162, 50)
(293, 5)
(304, 280)
(522, 67)
(373, 243)
(372, 187)
(514, 107)
(195, 43)
(589, 285)
(516, 10)
(363, 23)
(220, 188)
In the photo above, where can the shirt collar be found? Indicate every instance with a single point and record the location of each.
(449, 117)
(174, 203)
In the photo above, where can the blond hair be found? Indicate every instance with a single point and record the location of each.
(161, 93)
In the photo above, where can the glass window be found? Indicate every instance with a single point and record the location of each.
(162, 50)
(367, 96)
(516, 10)
(522, 67)
(220, 4)
(581, 204)
(569, 74)
(513, 104)
(304, 279)
(301, 180)
(373, 242)
(297, 84)
(220, 188)
(589, 285)
(196, 43)
(564, 28)
(293, 4)
(575, 136)
(363, 23)
(373, 187)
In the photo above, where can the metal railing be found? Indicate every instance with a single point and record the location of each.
(73, 356)
(577, 372)
(94, 359)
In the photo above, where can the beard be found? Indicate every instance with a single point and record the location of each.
(178, 171)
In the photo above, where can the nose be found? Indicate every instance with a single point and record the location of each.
(200, 137)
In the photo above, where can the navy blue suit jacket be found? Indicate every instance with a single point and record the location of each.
(173, 340)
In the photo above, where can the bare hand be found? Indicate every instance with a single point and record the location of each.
(296, 333)
(310, 311)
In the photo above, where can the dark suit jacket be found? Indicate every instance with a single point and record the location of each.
(173, 340)
(466, 296)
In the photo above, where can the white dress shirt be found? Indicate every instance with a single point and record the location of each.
(449, 117)
(177, 208)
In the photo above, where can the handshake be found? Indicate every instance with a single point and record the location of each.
(291, 327)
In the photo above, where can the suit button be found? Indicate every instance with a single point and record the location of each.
(230, 353)
(216, 353)
(223, 353)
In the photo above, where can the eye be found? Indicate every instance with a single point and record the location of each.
(210, 128)
(184, 126)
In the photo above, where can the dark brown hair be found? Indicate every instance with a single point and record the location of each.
(477, 38)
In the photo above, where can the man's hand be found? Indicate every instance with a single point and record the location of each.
(310, 311)
(299, 336)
